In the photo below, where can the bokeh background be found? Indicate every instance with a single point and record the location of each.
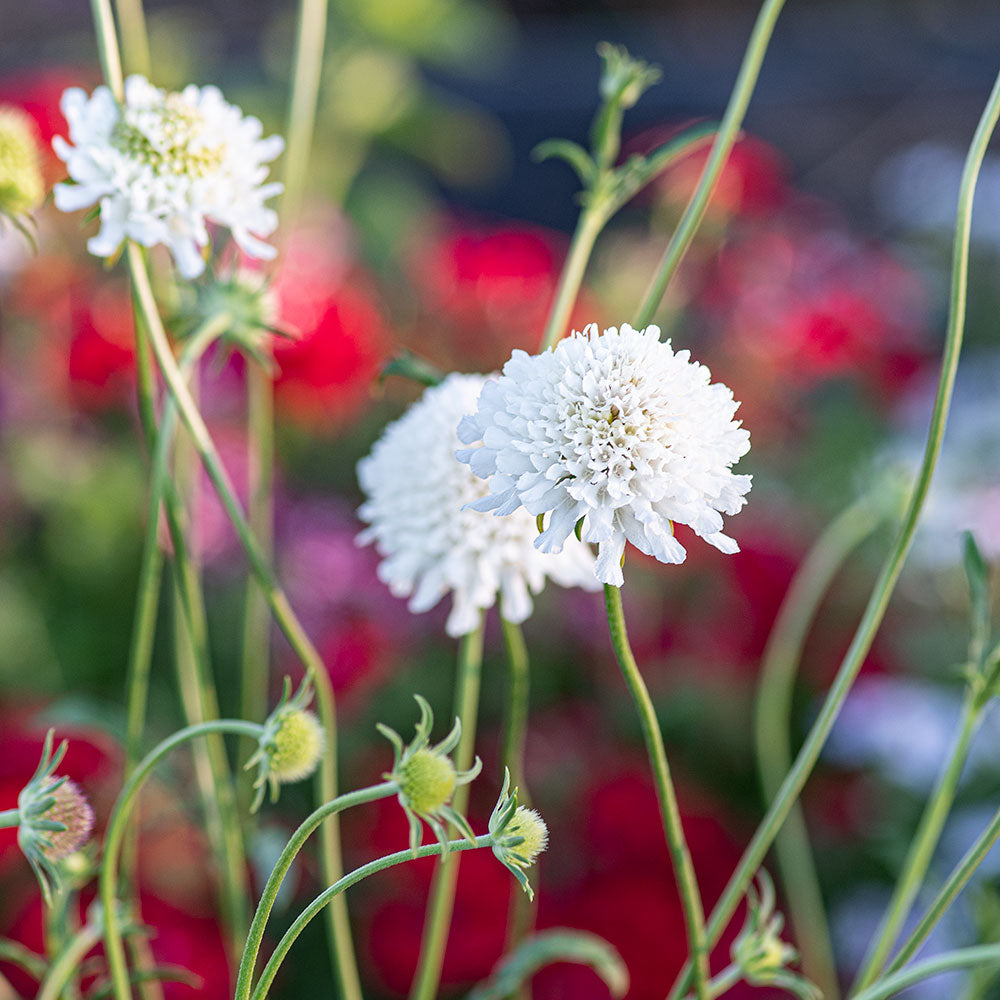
(816, 289)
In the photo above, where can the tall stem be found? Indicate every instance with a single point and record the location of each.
(68, 962)
(117, 825)
(925, 840)
(886, 582)
(953, 885)
(330, 855)
(327, 896)
(295, 844)
(588, 228)
(779, 667)
(135, 42)
(746, 80)
(694, 917)
(442, 897)
(964, 958)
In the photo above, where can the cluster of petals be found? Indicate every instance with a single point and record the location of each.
(430, 541)
(614, 430)
(163, 165)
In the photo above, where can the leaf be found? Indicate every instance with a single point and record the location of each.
(979, 596)
(575, 155)
(546, 948)
(408, 365)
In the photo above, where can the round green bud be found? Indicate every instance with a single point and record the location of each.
(528, 824)
(426, 781)
(22, 188)
(297, 746)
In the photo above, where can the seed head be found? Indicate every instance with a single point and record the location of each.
(22, 188)
(519, 834)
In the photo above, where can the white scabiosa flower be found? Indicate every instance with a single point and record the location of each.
(615, 430)
(163, 165)
(431, 543)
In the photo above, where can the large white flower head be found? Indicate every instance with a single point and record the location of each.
(431, 544)
(162, 165)
(616, 430)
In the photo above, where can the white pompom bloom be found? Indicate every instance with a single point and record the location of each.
(415, 508)
(163, 165)
(616, 430)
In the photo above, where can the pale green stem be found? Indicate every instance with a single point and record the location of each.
(437, 922)
(522, 910)
(746, 80)
(322, 900)
(330, 855)
(10, 817)
(724, 981)
(779, 666)
(107, 47)
(964, 958)
(135, 42)
(248, 960)
(948, 893)
(591, 222)
(925, 840)
(117, 825)
(68, 962)
(24, 958)
(687, 884)
(753, 856)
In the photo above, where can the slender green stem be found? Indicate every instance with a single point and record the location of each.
(521, 916)
(442, 896)
(248, 960)
(724, 139)
(948, 893)
(107, 47)
(68, 961)
(879, 599)
(694, 917)
(591, 222)
(325, 897)
(779, 667)
(925, 840)
(135, 42)
(725, 980)
(24, 958)
(330, 854)
(964, 958)
(10, 817)
(117, 825)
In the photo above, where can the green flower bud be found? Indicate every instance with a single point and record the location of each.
(22, 188)
(290, 747)
(519, 834)
(426, 778)
(55, 819)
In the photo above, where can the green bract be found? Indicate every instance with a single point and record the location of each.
(519, 834)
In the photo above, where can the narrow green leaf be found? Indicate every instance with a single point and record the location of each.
(575, 155)
(546, 948)
(408, 365)
(979, 595)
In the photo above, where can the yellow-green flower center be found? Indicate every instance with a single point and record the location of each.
(22, 188)
(426, 781)
(528, 824)
(297, 747)
(167, 139)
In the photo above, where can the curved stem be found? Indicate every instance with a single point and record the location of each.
(108, 878)
(330, 855)
(390, 860)
(879, 599)
(442, 896)
(248, 960)
(68, 962)
(922, 847)
(954, 884)
(779, 667)
(24, 958)
(987, 954)
(588, 228)
(724, 139)
(694, 917)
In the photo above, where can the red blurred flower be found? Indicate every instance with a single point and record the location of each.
(101, 356)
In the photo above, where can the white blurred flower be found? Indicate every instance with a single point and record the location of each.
(416, 491)
(615, 429)
(163, 165)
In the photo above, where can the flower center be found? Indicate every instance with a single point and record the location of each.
(167, 137)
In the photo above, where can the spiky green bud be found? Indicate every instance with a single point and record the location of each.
(519, 834)
(22, 188)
